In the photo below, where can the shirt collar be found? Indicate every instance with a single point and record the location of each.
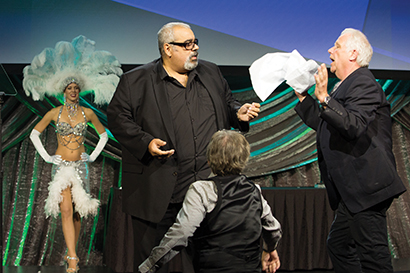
(163, 74)
(161, 70)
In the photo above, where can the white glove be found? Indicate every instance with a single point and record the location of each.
(100, 146)
(85, 157)
(55, 159)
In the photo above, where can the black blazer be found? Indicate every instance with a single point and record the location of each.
(354, 143)
(140, 112)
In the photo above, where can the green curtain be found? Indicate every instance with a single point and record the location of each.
(283, 154)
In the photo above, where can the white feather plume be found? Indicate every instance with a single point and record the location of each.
(96, 71)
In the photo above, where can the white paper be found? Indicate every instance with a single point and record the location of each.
(269, 71)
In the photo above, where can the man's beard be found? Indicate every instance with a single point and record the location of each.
(190, 65)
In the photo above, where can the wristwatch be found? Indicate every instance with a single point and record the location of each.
(326, 101)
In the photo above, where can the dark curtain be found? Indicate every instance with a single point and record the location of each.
(283, 155)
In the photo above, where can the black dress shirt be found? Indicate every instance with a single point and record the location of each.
(194, 124)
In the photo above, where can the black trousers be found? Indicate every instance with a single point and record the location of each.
(147, 235)
(358, 242)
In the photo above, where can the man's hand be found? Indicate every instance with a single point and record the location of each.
(154, 149)
(321, 79)
(270, 261)
(248, 111)
(302, 96)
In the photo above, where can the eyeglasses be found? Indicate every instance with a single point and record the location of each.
(187, 45)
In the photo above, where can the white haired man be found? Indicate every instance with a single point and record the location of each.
(357, 165)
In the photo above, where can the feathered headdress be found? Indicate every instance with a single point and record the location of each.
(53, 69)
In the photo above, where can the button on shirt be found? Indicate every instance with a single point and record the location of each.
(194, 124)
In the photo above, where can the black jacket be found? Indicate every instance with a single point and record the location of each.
(140, 112)
(354, 143)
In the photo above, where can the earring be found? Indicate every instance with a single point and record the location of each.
(65, 100)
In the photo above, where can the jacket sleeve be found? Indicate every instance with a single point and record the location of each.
(189, 218)
(271, 228)
(121, 116)
(309, 111)
(233, 107)
(352, 116)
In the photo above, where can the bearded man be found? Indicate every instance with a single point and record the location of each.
(164, 114)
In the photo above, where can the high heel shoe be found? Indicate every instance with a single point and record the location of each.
(70, 269)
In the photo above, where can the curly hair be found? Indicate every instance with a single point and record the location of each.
(227, 152)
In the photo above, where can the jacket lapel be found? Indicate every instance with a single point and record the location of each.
(161, 97)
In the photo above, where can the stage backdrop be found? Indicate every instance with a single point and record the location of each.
(230, 32)
(283, 154)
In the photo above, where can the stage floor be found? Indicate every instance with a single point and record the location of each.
(99, 269)
(399, 265)
(95, 269)
(54, 269)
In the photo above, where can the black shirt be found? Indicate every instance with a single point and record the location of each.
(194, 124)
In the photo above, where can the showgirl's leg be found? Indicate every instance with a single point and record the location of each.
(69, 231)
(77, 226)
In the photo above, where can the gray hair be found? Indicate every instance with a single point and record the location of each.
(358, 41)
(227, 152)
(166, 34)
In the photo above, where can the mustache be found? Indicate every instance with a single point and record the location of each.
(193, 54)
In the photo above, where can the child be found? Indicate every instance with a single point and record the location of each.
(225, 215)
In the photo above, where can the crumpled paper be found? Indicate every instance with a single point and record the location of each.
(269, 71)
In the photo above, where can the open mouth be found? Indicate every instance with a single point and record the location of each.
(194, 55)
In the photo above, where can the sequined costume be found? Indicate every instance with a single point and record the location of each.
(74, 134)
(74, 174)
(95, 72)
